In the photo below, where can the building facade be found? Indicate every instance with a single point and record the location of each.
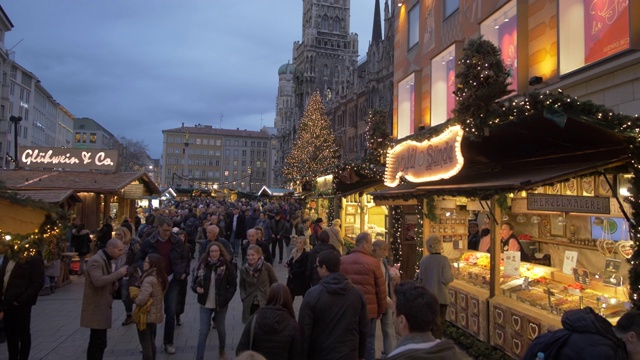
(89, 134)
(202, 156)
(546, 45)
(326, 61)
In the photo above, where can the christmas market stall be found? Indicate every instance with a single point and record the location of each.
(559, 172)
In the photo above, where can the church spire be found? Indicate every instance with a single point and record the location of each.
(376, 36)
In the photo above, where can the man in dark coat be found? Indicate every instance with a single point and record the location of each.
(17, 296)
(322, 245)
(166, 244)
(280, 232)
(331, 330)
(236, 229)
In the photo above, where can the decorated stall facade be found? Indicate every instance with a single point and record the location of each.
(519, 170)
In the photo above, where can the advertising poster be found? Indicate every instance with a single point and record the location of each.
(451, 86)
(508, 37)
(606, 28)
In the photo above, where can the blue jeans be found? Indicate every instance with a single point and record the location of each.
(235, 243)
(388, 331)
(147, 339)
(370, 354)
(170, 305)
(205, 326)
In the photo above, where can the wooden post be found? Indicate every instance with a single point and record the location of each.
(495, 249)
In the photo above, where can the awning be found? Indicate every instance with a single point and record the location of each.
(52, 196)
(523, 155)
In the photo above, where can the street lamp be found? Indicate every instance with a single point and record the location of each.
(15, 120)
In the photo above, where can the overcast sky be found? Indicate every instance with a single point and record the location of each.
(141, 66)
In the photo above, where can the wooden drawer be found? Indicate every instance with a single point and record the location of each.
(463, 319)
(516, 323)
(499, 315)
(499, 337)
(532, 328)
(474, 325)
(452, 314)
(474, 305)
(463, 297)
(517, 347)
(452, 296)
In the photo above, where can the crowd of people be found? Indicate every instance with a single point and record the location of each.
(215, 248)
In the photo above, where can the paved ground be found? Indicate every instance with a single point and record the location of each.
(56, 331)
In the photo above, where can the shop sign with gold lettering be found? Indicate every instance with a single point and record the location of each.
(566, 203)
(430, 160)
(68, 158)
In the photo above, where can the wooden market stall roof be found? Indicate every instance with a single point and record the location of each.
(265, 191)
(524, 154)
(52, 196)
(78, 181)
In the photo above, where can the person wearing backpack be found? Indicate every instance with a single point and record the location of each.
(587, 335)
(191, 227)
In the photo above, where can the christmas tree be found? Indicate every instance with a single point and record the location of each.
(482, 80)
(377, 136)
(314, 152)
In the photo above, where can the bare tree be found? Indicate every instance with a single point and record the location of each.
(133, 155)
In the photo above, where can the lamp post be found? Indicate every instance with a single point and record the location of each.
(15, 120)
(185, 170)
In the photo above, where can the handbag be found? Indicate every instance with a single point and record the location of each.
(251, 330)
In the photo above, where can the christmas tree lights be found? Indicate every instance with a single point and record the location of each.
(315, 150)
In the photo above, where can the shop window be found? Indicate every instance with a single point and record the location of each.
(443, 83)
(450, 6)
(78, 137)
(590, 31)
(406, 101)
(84, 138)
(414, 25)
(502, 30)
(93, 137)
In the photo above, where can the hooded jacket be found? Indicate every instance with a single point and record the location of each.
(591, 337)
(276, 335)
(324, 319)
(418, 346)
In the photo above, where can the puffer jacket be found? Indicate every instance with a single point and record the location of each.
(276, 335)
(365, 273)
(150, 288)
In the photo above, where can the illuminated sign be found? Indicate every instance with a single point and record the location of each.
(606, 28)
(565, 203)
(66, 158)
(434, 159)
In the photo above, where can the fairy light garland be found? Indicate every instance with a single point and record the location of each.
(396, 234)
(48, 238)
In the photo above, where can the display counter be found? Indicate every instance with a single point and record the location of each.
(527, 305)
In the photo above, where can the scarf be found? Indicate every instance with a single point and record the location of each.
(218, 267)
(256, 268)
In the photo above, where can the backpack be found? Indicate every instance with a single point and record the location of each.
(191, 228)
(550, 344)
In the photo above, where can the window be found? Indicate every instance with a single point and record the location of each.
(244, 163)
(236, 143)
(198, 141)
(84, 138)
(235, 162)
(406, 105)
(587, 34)
(502, 29)
(414, 25)
(227, 152)
(227, 142)
(450, 6)
(244, 143)
(253, 144)
(219, 142)
(217, 162)
(244, 152)
(235, 153)
(443, 83)
(93, 137)
(226, 173)
(78, 137)
(325, 23)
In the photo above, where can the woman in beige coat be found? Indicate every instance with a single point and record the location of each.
(153, 285)
(335, 236)
(256, 277)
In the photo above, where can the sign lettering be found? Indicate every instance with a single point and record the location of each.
(66, 158)
(564, 203)
(435, 159)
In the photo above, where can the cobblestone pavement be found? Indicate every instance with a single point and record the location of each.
(57, 335)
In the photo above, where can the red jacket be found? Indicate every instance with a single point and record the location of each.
(365, 273)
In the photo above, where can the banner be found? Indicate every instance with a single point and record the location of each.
(451, 86)
(508, 37)
(68, 158)
(606, 28)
